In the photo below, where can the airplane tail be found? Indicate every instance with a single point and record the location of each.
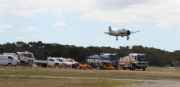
(110, 29)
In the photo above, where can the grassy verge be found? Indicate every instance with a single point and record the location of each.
(45, 77)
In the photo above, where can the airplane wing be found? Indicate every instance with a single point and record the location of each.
(134, 32)
(106, 32)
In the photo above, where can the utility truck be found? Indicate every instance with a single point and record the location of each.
(67, 62)
(56, 61)
(133, 61)
(47, 63)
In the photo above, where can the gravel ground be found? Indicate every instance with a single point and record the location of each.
(159, 83)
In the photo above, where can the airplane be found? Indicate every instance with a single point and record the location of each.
(123, 32)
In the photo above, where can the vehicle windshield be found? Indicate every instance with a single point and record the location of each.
(60, 60)
(68, 60)
(15, 57)
(142, 58)
(55, 60)
(29, 55)
(113, 56)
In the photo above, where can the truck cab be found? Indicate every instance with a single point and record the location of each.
(67, 62)
(138, 60)
(25, 57)
(133, 61)
(52, 61)
(70, 61)
(47, 63)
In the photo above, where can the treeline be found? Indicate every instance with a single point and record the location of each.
(41, 51)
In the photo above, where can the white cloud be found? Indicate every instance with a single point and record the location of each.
(152, 12)
(29, 29)
(149, 12)
(29, 8)
(60, 24)
(4, 27)
(72, 6)
(33, 8)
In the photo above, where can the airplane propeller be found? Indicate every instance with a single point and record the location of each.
(130, 32)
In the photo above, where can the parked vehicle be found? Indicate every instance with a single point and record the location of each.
(67, 61)
(24, 57)
(70, 62)
(49, 62)
(9, 60)
(133, 61)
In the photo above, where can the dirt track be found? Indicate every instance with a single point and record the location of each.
(159, 83)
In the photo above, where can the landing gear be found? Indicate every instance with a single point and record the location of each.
(127, 37)
(116, 38)
(144, 69)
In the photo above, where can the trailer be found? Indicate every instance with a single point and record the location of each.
(133, 61)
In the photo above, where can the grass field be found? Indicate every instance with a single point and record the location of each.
(47, 77)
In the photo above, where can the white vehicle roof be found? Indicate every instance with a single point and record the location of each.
(108, 54)
(136, 54)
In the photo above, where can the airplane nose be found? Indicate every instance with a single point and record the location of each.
(128, 32)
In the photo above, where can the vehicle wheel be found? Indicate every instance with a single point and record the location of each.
(122, 67)
(144, 69)
(39, 65)
(134, 68)
(9, 64)
(56, 66)
(119, 67)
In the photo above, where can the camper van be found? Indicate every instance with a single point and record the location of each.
(9, 60)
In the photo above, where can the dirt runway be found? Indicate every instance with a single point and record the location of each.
(159, 83)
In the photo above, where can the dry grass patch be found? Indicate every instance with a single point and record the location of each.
(60, 82)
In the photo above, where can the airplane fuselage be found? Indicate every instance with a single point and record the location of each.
(122, 32)
(119, 33)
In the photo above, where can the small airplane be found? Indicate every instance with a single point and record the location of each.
(123, 32)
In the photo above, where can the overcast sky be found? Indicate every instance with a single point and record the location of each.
(83, 22)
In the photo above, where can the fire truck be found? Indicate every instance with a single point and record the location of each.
(133, 61)
(25, 57)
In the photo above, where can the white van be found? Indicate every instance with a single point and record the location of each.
(9, 60)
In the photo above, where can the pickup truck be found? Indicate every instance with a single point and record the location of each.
(49, 62)
(67, 62)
